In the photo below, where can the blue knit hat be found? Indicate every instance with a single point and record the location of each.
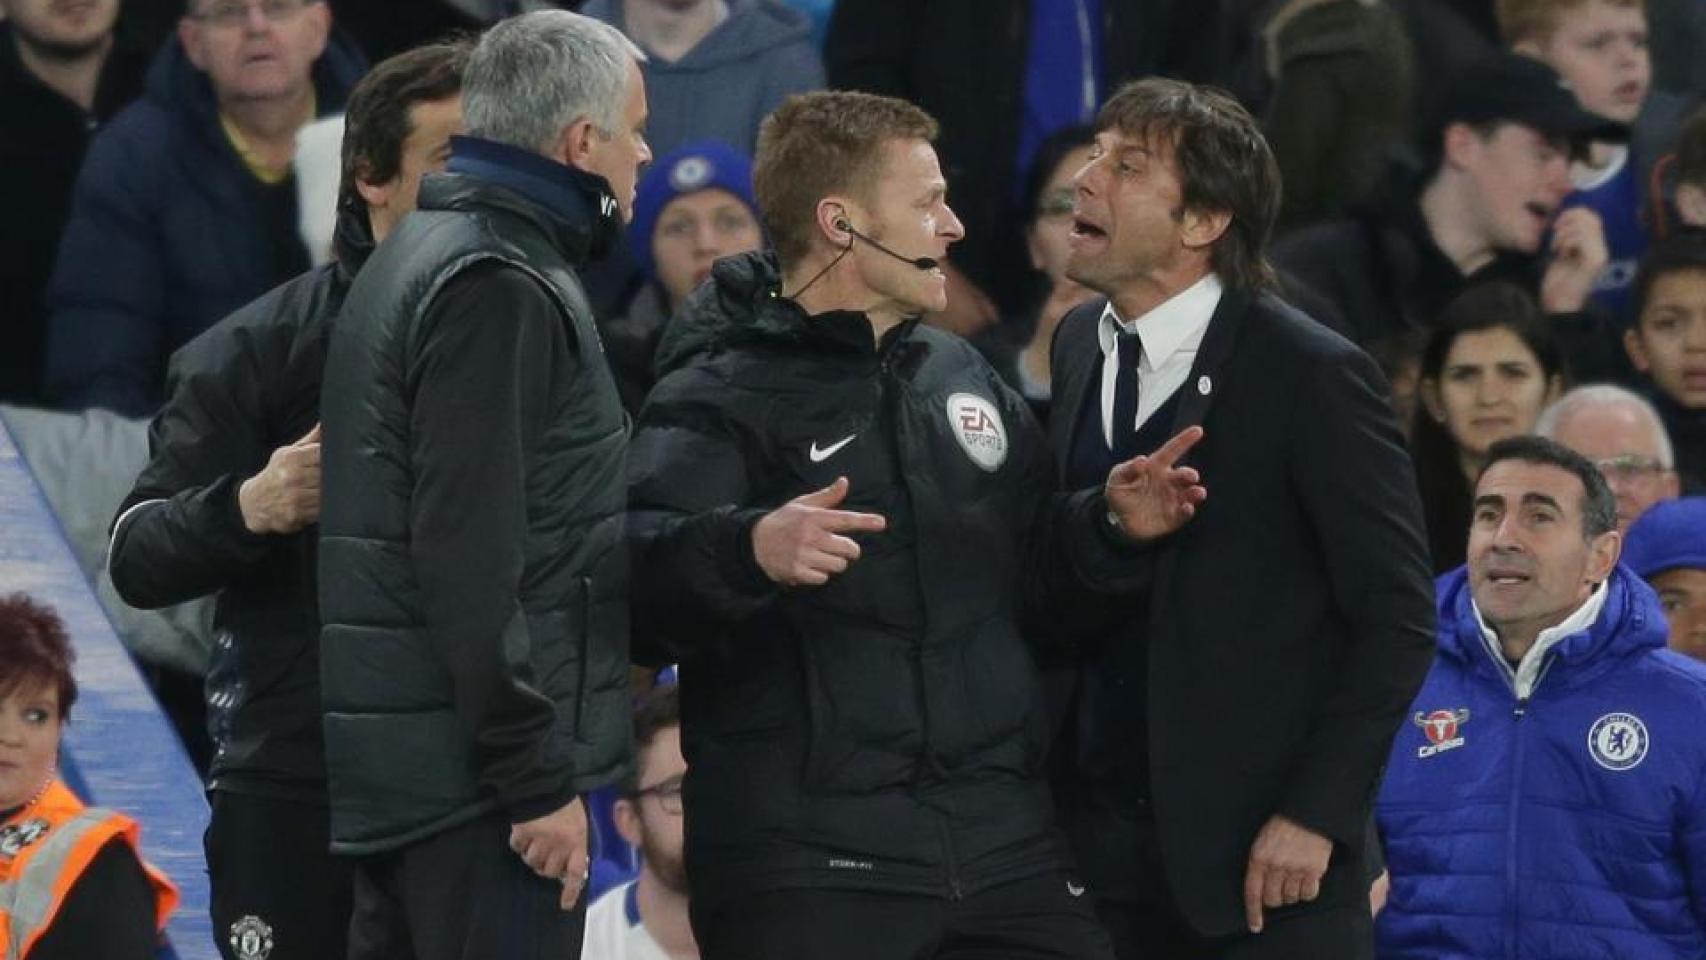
(1669, 536)
(704, 165)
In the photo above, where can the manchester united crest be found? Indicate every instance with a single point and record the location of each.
(251, 939)
(1444, 730)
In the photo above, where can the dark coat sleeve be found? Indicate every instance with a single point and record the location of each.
(690, 519)
(107, 296)
(1358, 488)
(180, 533)
(108, 913)
(492, 345)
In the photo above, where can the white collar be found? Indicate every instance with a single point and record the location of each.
(1176, 323)
(1527, 673)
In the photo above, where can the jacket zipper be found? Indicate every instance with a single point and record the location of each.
(1518, 712)
(1511, 891)
(891, 387)
(955, 891)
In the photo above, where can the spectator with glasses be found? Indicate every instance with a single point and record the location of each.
(1018, 346)
(646, 919)
(186, 207)
(1624, 437)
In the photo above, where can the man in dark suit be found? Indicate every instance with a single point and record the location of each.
(1229, 720)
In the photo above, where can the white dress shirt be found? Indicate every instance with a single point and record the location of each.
(1171, 334)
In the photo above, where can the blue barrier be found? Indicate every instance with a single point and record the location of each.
(119, 750)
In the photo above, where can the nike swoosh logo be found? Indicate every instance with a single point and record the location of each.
(1074, 889)
(819, 455)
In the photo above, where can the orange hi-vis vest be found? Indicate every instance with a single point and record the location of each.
(44, 848)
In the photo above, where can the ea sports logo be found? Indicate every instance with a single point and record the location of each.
(976, 424)
(1618, 741)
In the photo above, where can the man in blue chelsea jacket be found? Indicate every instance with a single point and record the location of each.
(1549, 798)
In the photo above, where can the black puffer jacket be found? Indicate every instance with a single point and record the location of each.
(236, 393)
(882, 731)
(472, 578)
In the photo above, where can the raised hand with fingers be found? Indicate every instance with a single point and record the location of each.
(285, 496)
(801, 543)
(1578, 257)
(1152, 496)
(554, 847)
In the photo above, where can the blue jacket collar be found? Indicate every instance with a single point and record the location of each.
(1630, 622)
(581, 200)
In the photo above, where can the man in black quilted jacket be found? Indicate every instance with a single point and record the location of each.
(472, 575)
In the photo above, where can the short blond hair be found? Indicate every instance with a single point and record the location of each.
(1537, 20)
(818, 144)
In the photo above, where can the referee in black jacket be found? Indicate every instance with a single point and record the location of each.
(845, 528)
(228, 504)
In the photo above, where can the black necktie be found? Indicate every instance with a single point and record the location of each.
(1123, 429)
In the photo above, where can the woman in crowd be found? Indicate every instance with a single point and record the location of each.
(72, 880)
(1490, 366)
(1019, 346)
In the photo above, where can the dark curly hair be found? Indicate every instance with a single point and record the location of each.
(34, 650)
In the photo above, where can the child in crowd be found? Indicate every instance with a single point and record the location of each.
(1667, 548)
(1599, 47)
(1688, 172)
(1667, 344)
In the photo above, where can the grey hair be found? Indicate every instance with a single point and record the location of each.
(533, 75)
(1596, 395)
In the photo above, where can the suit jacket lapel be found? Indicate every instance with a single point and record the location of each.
(1077, 357)
(1205, 383)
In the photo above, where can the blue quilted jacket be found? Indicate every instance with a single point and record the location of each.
(1566, 824)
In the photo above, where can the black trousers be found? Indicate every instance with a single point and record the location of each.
(1144, 921)
(274, 880)
(461, 894)
(1039, 918)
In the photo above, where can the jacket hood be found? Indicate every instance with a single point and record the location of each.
(741, 304)
(753, 27)
(178, 86)
(1631, 622)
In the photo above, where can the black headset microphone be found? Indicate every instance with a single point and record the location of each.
(922, 263)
